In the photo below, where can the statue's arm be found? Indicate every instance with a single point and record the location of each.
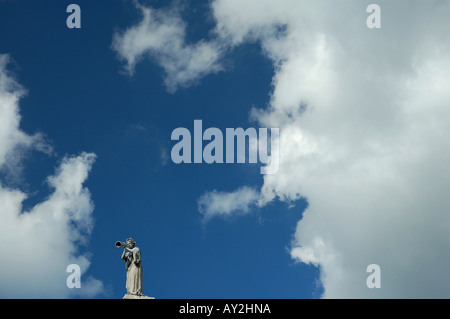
(136, 255)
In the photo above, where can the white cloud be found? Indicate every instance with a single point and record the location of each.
(160, 35)
(14, 142)
(38, 245)
(223, 204)
(364, 122)
(370, 150)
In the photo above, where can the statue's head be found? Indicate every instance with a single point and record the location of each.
(130, 242)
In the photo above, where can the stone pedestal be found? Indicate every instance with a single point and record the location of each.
(127, 296)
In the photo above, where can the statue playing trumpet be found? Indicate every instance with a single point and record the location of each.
(132, 256)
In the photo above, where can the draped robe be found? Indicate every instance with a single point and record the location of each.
(134, 271)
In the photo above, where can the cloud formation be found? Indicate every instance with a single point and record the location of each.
(369, 151)
(39, 244)
(160, 36)
(364, 122)
(223, 204)
(14, 142)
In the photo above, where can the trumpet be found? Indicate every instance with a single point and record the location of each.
(119, 244)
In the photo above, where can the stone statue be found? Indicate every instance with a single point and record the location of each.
(132, 256)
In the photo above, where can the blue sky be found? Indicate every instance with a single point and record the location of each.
(80, 100)
(348, 168)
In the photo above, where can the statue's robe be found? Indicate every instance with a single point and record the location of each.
(134, 272)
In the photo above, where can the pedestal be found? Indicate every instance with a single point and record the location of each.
(127, 296)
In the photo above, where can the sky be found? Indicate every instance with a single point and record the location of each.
(87, 117)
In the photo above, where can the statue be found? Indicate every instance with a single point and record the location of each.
(132, 256)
